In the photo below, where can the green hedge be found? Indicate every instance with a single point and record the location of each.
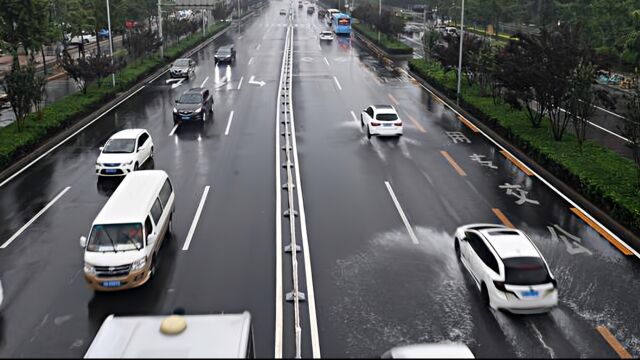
(604, 177)
(387, 43)
(69, 109)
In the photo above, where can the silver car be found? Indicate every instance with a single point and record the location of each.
(182, 68)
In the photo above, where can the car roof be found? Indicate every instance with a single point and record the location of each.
(510, 243)
(206, 336)
(176, 60)
(133, 198)
(384, 109)
(128, 134)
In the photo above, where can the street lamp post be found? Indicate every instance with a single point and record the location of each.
(460, 53)
(379, 17)
(113, 75)
(160, 30)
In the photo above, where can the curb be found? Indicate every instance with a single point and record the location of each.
(65, 133)
(629, 237)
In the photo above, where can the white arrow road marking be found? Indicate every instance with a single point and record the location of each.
(173, 86)
(261, 83)
(205, 81)
(25, 226)
(172, 80)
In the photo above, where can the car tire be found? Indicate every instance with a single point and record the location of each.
(484, 293)
(456, 247)
(368, 133)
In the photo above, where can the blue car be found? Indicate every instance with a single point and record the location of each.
(104, 33)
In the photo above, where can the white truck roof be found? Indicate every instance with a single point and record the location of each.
(205, 336)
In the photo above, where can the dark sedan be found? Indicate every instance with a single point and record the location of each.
(193, 105)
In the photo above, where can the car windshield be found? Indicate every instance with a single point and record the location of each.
(191, 99)
(525, 271)
(181, 62)
(224, 51)
(387, 117)
(116, 237)
(119, 146)
(326, 33)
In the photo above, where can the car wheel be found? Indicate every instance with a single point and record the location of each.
(456, 246)
(484, 293)
(368, 133)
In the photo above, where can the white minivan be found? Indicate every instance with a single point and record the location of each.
(122, 247)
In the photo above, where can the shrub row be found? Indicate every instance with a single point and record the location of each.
(387, 43)
(605, 178)
(62, 113)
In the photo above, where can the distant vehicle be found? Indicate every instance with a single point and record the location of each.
(103, 33)
(507, 268)
(124, 152)
(193, 105)
(125, 238)
(283, 12)
(321, 13)
(310, 10)
(83, 38)
(329, 15)
(326, 36)
(381, 120)
(300, 6)
(182, 68)
(451, 30)
(341, 24)
(207, 336)
(430, 351)
(225, 54)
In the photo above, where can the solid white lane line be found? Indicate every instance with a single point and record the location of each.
(25, 226)
(337, 82)
(250, 60)
(226, 132)
(608, 131)
(240, 83)
(543, 180)
(194, 224)
(205, 81)
(173, 131)
(402, 215)
(326, 61)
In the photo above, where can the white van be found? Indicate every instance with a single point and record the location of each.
(123, 243)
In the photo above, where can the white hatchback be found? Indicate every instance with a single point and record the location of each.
(381, 120)
(507, 268)
(124, 152)
(326, 36)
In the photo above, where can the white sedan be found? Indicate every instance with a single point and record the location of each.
(381, 120)
(85, 38)
(326, 36)
(124, 152)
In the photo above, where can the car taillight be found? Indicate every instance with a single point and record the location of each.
(398, 124)
(375, 124)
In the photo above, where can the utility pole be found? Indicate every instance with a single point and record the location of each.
(203, 29)
(379, 17)
(113, 75)
(160, 29)
(460, 54)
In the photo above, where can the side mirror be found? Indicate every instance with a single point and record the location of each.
(101, 148)
(151, 239)
(83, 241)
(177, 101)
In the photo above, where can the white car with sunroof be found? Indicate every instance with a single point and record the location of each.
(507, 268)
(124, 152)
(381, 120)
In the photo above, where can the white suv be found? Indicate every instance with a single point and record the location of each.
(381, 120)
(326, 36)
(507, 268)
(124, 152)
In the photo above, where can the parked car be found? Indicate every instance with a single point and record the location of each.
(321, 13)
(124, 152)
(182, 68)
(300, 6)
(225, 54)
(83, 38)
(121, 251)
(310, 10)
(507, 268)
(193, 105)
(326, 36)
(381, 120)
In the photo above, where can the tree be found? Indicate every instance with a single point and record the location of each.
(86, 70)
(631, 127)
(21, 25)
(429, 42)
(583, 98)
(19, 84)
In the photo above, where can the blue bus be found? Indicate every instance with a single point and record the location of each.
(341, 24)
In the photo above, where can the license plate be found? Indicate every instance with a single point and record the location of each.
(110, 171)
(530, 293)
(111, 283)
(186, 117)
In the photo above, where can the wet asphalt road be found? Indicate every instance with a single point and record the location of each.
(375, 287)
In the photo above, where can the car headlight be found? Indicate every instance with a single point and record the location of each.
(98, 163)
(198, 110)
(139, 264)
(175, 110)
(88, 268)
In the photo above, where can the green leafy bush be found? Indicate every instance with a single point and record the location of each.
(387, 43)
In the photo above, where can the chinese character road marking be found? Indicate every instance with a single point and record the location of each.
(487, 163)
(571, 242)
(517, 191)
(457, 137)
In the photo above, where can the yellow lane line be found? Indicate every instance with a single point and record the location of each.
(602, 232)
(453, 163)
(613, 342)
(394, 100)
(468, 123)
(517, 163)
(503, 218)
